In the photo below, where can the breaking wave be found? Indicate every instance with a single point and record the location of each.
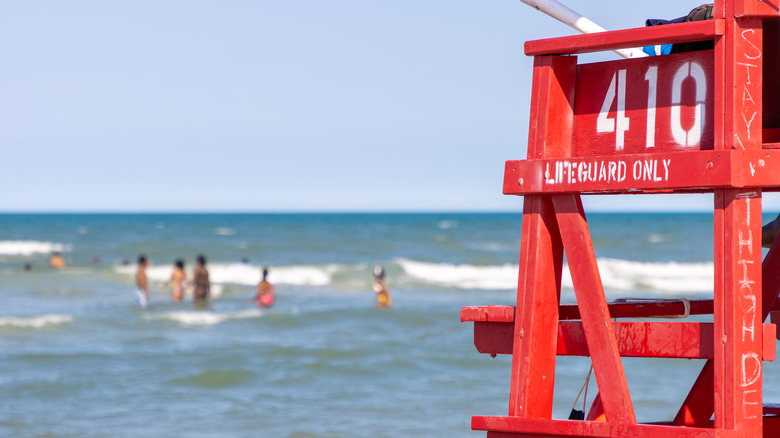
(203, 318)
(35, 321)
(30, 247)
(622, 275)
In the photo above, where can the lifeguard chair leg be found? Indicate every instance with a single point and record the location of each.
(541, 253)
(737, 300)
(738, 317)
(699, 405)
(533, 360)
(596, 321)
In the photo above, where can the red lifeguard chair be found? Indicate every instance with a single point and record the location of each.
(696, 122)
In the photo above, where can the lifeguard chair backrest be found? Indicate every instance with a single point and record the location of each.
(637, 106)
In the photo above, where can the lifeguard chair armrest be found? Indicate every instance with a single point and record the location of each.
(625, 38)
(643, 309)
(681, 340)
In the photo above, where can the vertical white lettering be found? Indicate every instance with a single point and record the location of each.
(747, 318)
(755, 374)
(756, 51)
(666, 168)
(747, 69)
(748, 122)
(750, 413)
(742, 243)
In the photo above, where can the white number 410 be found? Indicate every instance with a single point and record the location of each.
(620, 123)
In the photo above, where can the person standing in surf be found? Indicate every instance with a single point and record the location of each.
(383, 299)
(56, 261)
(141, 281)
(266, 294)
(177, 281)
(201, 281)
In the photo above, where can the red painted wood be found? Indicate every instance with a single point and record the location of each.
(530, 427)
(689, 340)
(718, 93)
(678, 84)
(629, 309)
(771, 426)
(699, 171)
(593, 306)
(541, 254)
(555, 107)
(644, 309)
(757, 8)
(772, 409)
(620, 39)
(738, 96)
(698, 406)
(532, 384)
(737, 360)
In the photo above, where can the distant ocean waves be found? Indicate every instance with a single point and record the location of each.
(618, 275)
(36, 322)
(246, 274)
(665, 278)
(30, 247)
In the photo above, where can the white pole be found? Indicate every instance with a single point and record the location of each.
(565, 15)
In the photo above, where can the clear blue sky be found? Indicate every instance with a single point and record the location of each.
(341, 105)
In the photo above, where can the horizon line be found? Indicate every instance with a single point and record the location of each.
(323, 212)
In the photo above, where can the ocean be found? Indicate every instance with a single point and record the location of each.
(79, 359)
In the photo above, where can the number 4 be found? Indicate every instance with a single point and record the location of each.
(604, 123)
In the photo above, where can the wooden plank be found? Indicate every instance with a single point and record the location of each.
(593, 306)
(685, 340)
(488, 313)
(653, 104)
(644, 309)
(737, 370)
(528, 427)
(685, 171)
(628, 309)
(738, 367)
(541, 253)
(626, 38)
(698, 407)
(757, 8)
(533, 364)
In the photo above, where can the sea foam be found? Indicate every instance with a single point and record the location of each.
(30, 247)
(196, 318)
(35, 321)
(462, 276)
(245, 274)
(621, 275)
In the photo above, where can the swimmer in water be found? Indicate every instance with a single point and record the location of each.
(383, 299)
(201, 281)
(141, 282)
(177, 281)
(266, 294)
(56, 261)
